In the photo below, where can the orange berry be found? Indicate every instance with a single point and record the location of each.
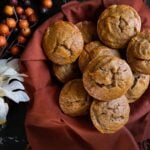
(32, 18)
(29, 11)
(3, 41)
(14, 50)
(26, 32)
(8, 10)
(47, 3)
(19, 10)
(4, 30)
(21, 39)
(11, 22)
(23, 23)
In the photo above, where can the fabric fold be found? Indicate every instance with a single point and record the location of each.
(46, 126)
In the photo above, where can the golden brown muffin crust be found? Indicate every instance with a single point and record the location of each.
(109, 117)
(90, 52)
(138, 53)
(141, 82)
(63, 43)
(117, 24)
(88, 30)
(65, 73)
(107, 78)
(73, 99)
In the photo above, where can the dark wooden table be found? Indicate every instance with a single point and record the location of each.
(12, 135)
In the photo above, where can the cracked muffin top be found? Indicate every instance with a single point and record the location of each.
(141, 82)
(93, 50)
(117, 25)
(73, 99)
(107, 77)
(63, 43)
(109, 117)
(138, 52)
(88, 30)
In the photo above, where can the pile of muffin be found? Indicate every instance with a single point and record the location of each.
(87, 59)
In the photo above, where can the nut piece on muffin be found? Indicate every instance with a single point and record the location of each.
(63, 43)
(93, 50)
(141, 82)
(138, 52)
(88, 30)
(74, 100)
(109, 117)
(65, 73)
(107, 78)
(117, 25)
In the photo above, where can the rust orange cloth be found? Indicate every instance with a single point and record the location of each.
(46, 126)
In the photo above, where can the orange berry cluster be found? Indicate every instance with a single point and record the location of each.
(19, 19)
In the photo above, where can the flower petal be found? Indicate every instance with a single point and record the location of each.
(9, 72)
(3, 65)
(3, 69)
(13, 63)
(3, 62)
(12, 90)
(15, 85)
(2, 92)
(16, 96)
(19, 78)
(3, 111)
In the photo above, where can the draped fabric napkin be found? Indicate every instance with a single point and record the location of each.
(46, 126)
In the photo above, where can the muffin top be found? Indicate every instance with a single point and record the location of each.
(88, 30)
(63, 42)
(107, 78)
(138, 52)
(65, 73)
(109, 117)
(93, 50)
(141, 82)
(117, 24)
(73, 99)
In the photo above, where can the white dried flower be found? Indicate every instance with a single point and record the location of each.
(3, 111)
(10, 85)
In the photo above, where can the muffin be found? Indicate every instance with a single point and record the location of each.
(88, 30)
(109, 117)
(117, 25)
(63, 43)
(73, 99)
(65, 73)
(138, 53)
(90, 52)
(107, 77)
(141, 82)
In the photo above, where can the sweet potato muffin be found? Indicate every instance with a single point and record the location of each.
(117, 25)
(90, 52)
(73, 99)
(88, 30)
(65, 73)
(109, 117)
(141, 82)
(107, 77)
(63, 43)
(138, 53)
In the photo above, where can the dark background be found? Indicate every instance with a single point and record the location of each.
(12, 134)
